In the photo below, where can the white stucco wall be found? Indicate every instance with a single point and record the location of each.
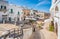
(3, 3)
(16, 9)
(58, 6)
(56, 15)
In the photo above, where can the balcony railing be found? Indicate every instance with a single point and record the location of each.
(3, 10)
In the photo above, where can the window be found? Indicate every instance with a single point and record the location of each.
(55, 1)
(9, 18)
(1, 6)
(56, 8)
(11, 10)
(34, 13)
(4, 7)
(18, 13)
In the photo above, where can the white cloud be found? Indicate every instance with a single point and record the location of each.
(40, 3)
(43, 2)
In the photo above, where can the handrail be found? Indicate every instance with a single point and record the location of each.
(13, 32)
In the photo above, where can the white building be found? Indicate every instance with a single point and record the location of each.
(10, 12)
(40, 15)
(31, 12)
(55, 14)
(15, 12)
(3, 10)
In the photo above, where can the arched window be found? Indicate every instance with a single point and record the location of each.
(18, 12)
(11, 10)
(55, 1)
(9, 18)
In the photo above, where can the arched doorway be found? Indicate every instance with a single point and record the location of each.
(55, 1)
(56, 23)
(56, 28)
(4, 18)
(9, 18)
(56, 9)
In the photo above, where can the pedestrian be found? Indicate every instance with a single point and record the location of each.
(33, 29)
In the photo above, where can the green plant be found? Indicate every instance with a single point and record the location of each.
(31, 21)
(39, 25)
(51, 28)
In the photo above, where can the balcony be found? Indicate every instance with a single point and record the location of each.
(3, 10)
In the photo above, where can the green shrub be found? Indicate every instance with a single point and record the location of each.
(51, 28)
(31, 21)
(39, 25)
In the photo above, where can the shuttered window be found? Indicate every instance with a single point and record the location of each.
(11, 10)
(18, 12)
(4, 7)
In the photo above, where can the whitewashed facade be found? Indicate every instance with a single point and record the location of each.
(3, 10)
(55, 14)
(17, 11)
(10, 12)
(40, 15)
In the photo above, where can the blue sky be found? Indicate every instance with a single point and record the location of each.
(42, 5)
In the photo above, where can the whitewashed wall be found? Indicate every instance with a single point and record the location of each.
(3, 3)
(16, 9)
